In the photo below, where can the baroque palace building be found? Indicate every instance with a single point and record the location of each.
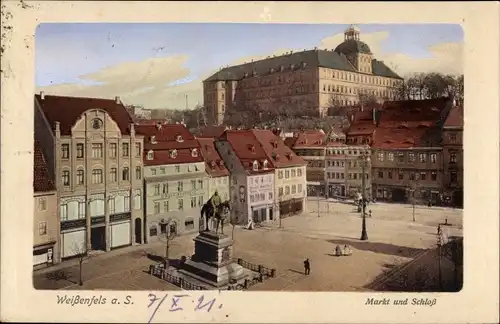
(311, 79)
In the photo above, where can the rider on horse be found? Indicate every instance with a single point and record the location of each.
(215, 201)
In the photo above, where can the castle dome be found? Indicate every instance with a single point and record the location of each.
(350, 46)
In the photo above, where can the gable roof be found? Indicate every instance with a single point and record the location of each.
(187, 148)
(247, 149)
(214, 165)
(67, 110)
(299, 60)
(276, 150)
(310, 139)
(427, 110)
(42, 181)
(455, 118)
(401, 138)
(212, 132)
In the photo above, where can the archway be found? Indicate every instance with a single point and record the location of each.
(138, 230)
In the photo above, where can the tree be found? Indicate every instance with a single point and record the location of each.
(168, 236)
(432, 85)
(83, 255)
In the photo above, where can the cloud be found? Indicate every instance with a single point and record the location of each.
(164, 82)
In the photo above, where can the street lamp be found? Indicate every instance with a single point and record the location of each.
(365, 158)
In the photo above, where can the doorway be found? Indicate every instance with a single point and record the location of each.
(98, 238)
(138, 230)
(398, 195)
(271, 213)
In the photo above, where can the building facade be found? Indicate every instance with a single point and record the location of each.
(98, 167)
(252, 177)
(312, 79)
(311, 146)
(175, 184)
(358, 165)
(453, 156)
(46, 220)
(218, 174)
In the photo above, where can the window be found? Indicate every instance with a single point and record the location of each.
(180, 204)
(355, 176)
(411, 157)
(293, 173)
(255, 166)
(42, 204)
(287, 190)
(112, 175)
(157, 190)
(111, 206)
(97, 176)
(453, 176)
(270, 195)
(401, 175)
(166, 207)
(193, 184)
(137, 149)
(200, 201)
(280, 192)
(153, 231)
(422, 175)
(180, 186)
(299, 172)
(65, 151)
(150, 155)
(138, 173)
(453, 138)
(125, 149)
(177, 168)
(112, 150)
(79, 177)
(125, 174)
(390, 156)
(189, 224)
(280, 175)
(412, 175)
(401, 157)
(200, 183)
(453, 157)
(64, 212)
(65, 178)
(153, 171)
(157, 208)
(287, 174)
(193, 202)
(433, 175)
(380, 156)
(389, 174)
(433, 157)
(42, 228)
(79, 151)
(299, 188)
(422, 157)
(126, 204)
(97, 150)
(294, 189)
(381, 175)
(137, 199)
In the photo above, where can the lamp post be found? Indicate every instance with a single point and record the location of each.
(364, 161)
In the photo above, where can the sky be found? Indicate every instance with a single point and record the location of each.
(158, 65)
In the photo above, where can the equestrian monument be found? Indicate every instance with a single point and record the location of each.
(212, 262)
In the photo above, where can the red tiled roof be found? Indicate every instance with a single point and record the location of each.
(428, 110)
(166, 137)
(67, 110)
(42, 180)
(361, 127)
(214, 165)
(212, 132)
(455, 117)
(394, 138)
(276, 150)
(310, 139)
(248, 149)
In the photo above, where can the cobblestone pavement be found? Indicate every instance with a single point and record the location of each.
(393, 238)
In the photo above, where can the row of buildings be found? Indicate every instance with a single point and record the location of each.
(103, 180)
(405, 150)
(310, 79)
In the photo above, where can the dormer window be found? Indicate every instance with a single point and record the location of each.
(274, 144)
(275, 156)
(179, 138)
(212, 164)
(194, 152)
(288, 155)
(264, 164)
(221, 164)
(251, 148)
(153, 139)
(173, 154)
(255, 166)
(150, 155)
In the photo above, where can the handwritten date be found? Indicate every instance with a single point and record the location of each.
(176, 303)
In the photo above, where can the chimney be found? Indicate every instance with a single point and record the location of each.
(58, 129)
(117, 100)
(42, 95)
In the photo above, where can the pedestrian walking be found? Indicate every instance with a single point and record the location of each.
(307, 267)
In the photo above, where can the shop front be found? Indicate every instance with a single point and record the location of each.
(291, 207)
(42, 254)
(120, 230)
(336, 190)
(73, 238)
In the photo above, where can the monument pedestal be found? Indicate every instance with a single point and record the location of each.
(212, 261)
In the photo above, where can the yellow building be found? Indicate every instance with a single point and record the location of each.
(311, 79)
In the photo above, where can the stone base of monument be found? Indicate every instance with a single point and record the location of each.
(212, 262)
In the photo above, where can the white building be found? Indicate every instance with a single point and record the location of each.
(252, 177)
(217, 173)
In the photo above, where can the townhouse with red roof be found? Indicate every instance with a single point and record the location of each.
(96, 157)
(175, 183)
(46, 216)
(252, 177)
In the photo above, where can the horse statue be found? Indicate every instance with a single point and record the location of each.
(214, 209)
